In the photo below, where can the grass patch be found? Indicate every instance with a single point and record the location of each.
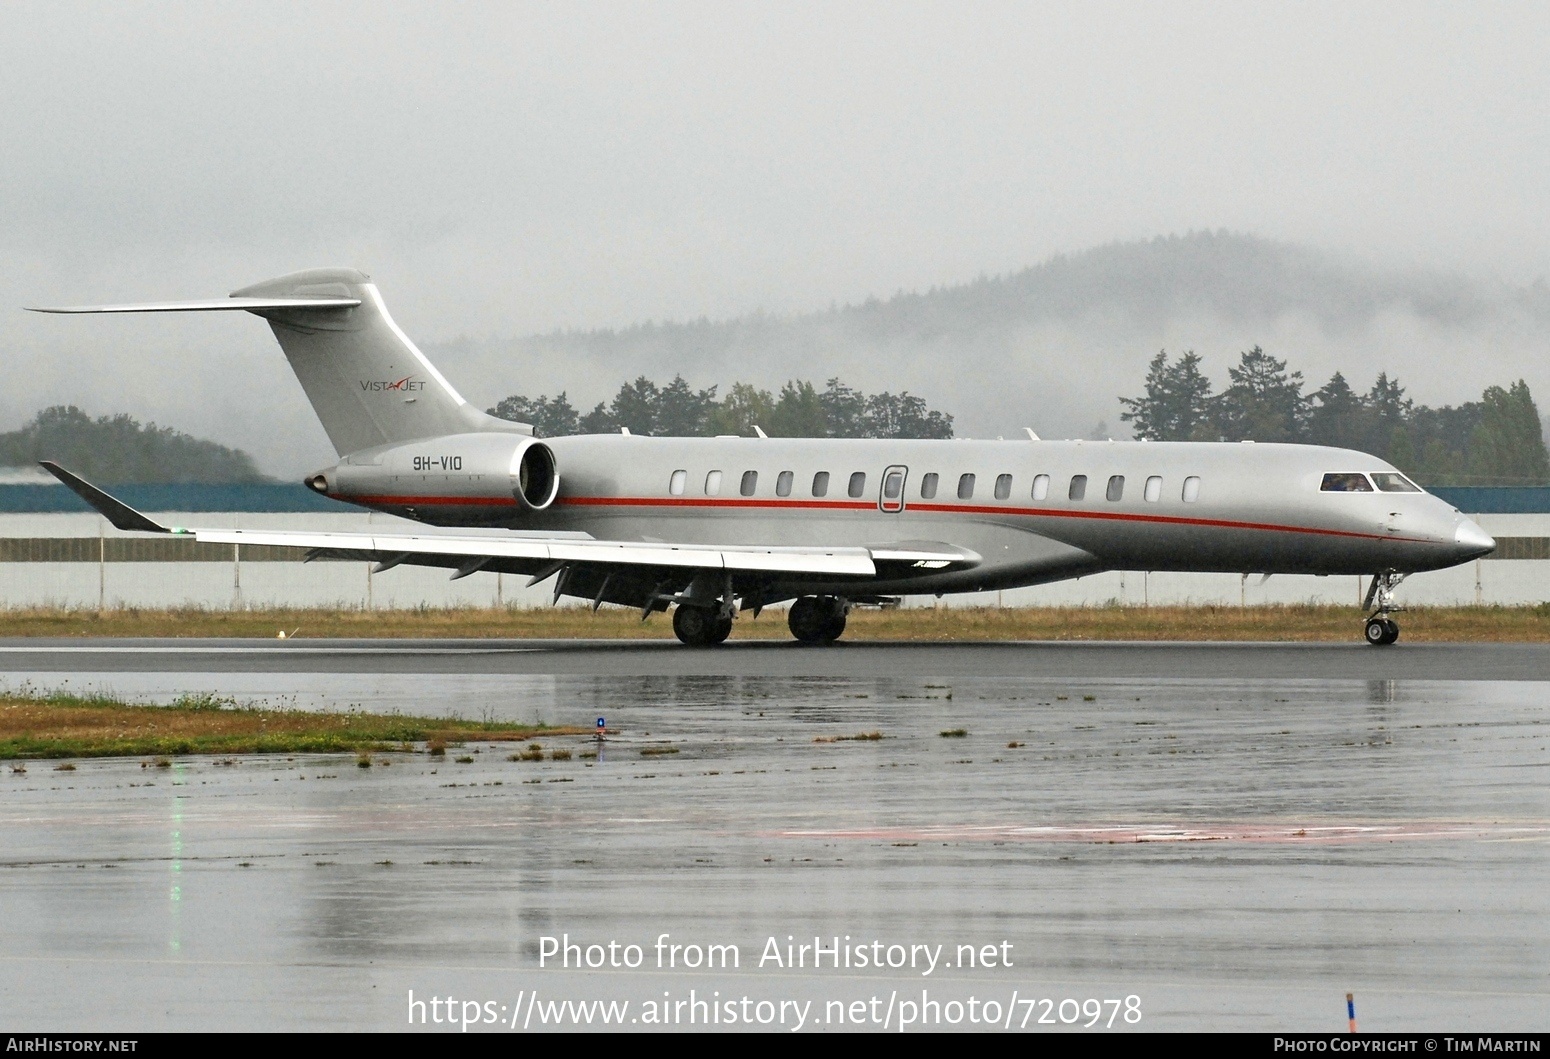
(657, 751)
(1302, 622)
(59, 725)
(954, 733)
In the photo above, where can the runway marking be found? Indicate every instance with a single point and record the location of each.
(1114, 834)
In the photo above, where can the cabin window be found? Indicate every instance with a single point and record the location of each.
(676, 484)
(1078, 488)
(1389, 482)
(965, 486)
(783, 483)
(1345, 483)
(1040, 486)
(1153, 489)
(713, 483)
(821, 483)
(893, 485)
(750, 483)
(1003, 486)
(928, 486)
(1191, 489)
(1116, 488)
(857, 484)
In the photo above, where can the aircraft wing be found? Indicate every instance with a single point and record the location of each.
(468, 553)
(852, 562)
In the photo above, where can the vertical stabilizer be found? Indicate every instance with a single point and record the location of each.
(367, 382)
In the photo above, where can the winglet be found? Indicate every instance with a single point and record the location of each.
(114, 510)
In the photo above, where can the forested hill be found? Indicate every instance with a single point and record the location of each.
(118, 449)
(1052, 345)
(1234, 277)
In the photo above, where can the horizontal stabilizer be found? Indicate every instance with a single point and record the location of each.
(120, 514)
(212, 305)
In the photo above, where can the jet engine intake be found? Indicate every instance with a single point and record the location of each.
(535, 479)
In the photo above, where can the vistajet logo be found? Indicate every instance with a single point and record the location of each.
(408, 384)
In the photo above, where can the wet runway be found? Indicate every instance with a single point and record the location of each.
(1429, 661)
(1232, 835)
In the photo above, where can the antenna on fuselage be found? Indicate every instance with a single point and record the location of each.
(1031, 435)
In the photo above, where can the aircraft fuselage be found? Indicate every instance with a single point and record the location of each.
(1135, 506)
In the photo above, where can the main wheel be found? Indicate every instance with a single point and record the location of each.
(834, 628)
(1380, 632)
(720, 629)
(817, 619)
(697, 626)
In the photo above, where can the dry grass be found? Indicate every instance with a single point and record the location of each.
(68, 726)
(1306, 622)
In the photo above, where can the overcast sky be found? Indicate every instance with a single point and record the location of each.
(510, 168)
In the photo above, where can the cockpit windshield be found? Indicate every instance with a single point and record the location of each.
(1345, 483)
(1390, 482)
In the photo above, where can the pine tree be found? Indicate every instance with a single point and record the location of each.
(598, 421)
(549, 417)
(844, 410)
(1263, 402)
(798, 412)
(1339, 417)
(1177, 403)
(634, 407)
(682, 412)
(1508, 447)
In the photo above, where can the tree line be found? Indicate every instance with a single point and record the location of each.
(799, 410)
(1497, 440)
(119, 449)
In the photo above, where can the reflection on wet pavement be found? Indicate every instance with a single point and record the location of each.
(1236, 853)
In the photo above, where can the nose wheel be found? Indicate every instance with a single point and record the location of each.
(1380, 632)
(1380, 629)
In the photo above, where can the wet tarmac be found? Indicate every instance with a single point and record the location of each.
(1231, 847)
(1421, 661)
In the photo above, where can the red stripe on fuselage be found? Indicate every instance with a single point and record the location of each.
(432, 501)
(862, 505)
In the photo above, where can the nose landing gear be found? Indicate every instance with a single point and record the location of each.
(1382, 630)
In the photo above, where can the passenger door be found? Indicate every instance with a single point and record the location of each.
(891, 499)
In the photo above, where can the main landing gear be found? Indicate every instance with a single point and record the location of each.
(813, 620)
(701, 626)
(1382, 630)
(817, 619)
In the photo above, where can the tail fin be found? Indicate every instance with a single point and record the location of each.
(367, 382)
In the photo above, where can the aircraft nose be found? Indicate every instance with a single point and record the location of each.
(1472, 541)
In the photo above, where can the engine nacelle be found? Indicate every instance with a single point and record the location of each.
(469, 471)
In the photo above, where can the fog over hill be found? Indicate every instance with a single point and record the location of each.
(1054, 346)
